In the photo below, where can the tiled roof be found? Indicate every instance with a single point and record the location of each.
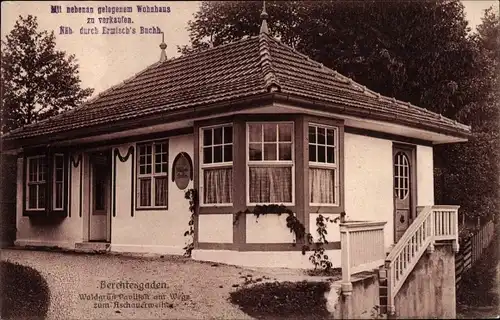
(244, 68)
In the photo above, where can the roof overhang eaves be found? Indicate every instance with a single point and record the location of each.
(454, 131)
(180, 114)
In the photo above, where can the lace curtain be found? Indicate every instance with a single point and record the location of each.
(218, 185)
(270, 184)
(321, 185)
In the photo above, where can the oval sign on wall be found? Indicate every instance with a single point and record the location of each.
(182, 170)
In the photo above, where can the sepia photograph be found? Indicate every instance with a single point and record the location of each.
(250, 159)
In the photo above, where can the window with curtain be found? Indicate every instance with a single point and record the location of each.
(323, 165)
(36, 186)
(270, 163)
(152, 175)
(217, 165)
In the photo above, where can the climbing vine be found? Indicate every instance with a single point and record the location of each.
(292, 222)
(192, 196)
(318, 256)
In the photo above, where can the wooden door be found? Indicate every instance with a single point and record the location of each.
(99, 228)
(404, 193)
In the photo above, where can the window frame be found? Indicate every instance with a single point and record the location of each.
(268, 163)
(50, 156)
(151, 176)
(54, 181)
(27, 182)
(325, 165)
(223, 164)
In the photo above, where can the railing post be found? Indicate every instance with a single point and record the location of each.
(345, 256)
(430, 248)
(346, 285)
(391, 310)
(455, 245)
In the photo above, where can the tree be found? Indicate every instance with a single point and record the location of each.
(416, 51)
(470, 172)
(38, 81)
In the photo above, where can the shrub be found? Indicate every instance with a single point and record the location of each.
(283, 300)
(25, 293)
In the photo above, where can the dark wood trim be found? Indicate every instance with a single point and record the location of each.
(387, 136)
(215, 246)
(216, 210)
(239, 182)
(70, 175)
(301, 174)
(269, 117)
(80, 198)
(265, 247)
(215, 121)
(25, 166)
(325, 209)
(335, 245)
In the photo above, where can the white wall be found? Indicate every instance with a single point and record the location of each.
(215, 228)
(268, 228)
(368, 180)
(160, 231)
(63, 233)
(425, 176)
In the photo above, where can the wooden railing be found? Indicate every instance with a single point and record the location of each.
(433, 223)
(471, 249)
(362, 247)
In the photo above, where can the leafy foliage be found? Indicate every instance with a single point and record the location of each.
(290, 300)
(417, 51)
(38, 81)
(192, 196)
(25, 293)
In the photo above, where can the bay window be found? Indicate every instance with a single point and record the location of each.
(216, 165)
(270, 169)
(152, 175)
(323, 165)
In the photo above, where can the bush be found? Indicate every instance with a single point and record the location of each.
(25, 293)
(290, 300)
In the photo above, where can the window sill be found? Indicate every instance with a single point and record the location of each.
(151, 208)
(322, 208)
(43, 213)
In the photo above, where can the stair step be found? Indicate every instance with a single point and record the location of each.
(98, 247)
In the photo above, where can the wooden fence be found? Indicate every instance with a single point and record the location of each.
(471, 250)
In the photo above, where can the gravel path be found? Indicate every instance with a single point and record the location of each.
(191, 289)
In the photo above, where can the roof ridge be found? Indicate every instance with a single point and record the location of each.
(272, 82)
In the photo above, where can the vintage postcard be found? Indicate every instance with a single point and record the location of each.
(250, 159)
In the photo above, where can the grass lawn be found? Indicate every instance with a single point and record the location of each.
(25, 293)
